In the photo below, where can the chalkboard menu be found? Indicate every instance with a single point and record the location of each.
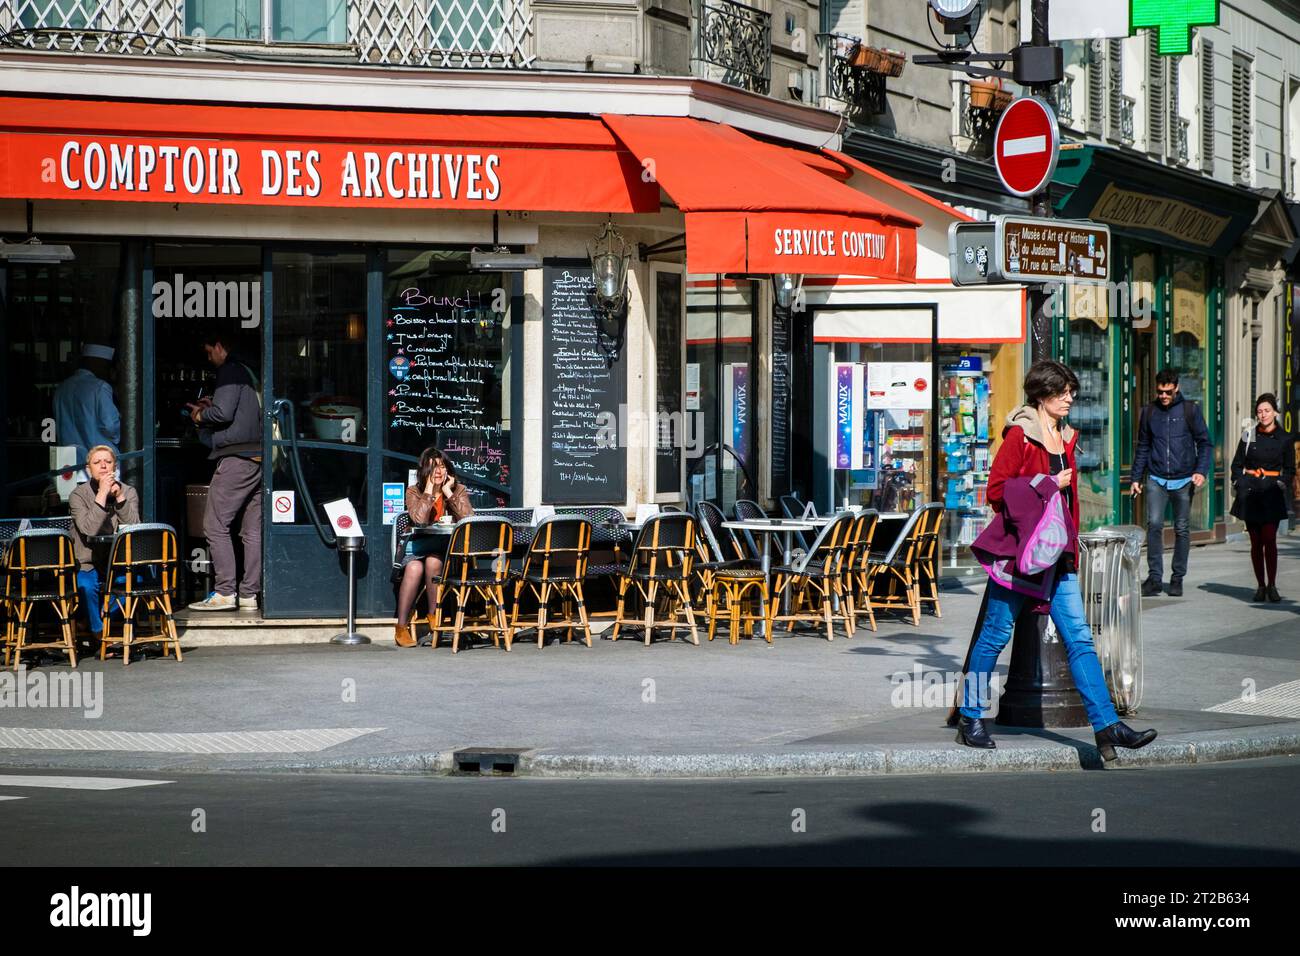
(446, 349)
(585, 383)
(671, 423)
(780, 415)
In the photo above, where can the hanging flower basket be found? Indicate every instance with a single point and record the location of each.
(885, 62)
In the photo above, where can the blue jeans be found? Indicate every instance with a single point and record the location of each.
(1157, 495)
(1071, 624)
(88, 587)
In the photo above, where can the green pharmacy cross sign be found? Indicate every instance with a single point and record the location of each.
(1174, 20)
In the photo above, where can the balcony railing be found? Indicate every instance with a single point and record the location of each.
(1180, 151)
(733, 43)
(1127, 108)
(436, 33)
(856, 93)
(978, 122)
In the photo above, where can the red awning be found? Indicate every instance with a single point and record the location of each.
(253, 155)
(754, 207)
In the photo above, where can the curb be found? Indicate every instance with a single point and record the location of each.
(1181, 750)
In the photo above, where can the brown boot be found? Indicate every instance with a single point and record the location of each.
(403, 636)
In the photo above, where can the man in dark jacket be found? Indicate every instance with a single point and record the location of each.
(1174, 451)
(230, 423)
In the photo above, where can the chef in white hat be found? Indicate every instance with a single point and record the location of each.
(85, 414)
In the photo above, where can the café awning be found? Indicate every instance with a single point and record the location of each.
(755, 207)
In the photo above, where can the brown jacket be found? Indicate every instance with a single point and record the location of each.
(420, 505)
(89, 519)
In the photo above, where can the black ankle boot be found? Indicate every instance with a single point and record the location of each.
(1120, 734)
(971, 732)
(1273, 596)
(1260, 595)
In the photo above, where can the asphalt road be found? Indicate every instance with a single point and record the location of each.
(1235, 814)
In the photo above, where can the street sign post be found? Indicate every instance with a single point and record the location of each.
(1050, 250)
(1026, 146)
(1029, 250)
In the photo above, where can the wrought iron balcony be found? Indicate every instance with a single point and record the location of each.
(437, 33)
(1179, 150)
(980, 109)
(1127, 108)
(856, 93)
(733, 43)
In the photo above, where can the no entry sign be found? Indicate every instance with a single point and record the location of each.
(1026, 145)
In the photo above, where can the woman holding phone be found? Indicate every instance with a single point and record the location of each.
(1037, 441)
(98, 508)
(436, 495)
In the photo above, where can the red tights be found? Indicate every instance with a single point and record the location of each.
(1263, 552)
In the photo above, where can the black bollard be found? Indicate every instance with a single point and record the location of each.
(1040, 689)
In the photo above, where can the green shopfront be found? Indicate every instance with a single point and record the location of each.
(1163, 308)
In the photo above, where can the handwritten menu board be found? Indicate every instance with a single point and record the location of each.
(445, 351)
(585, 383)
(671, 425)
(780, 414)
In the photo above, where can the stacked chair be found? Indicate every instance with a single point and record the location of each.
(143, 568)
(554, 566)
(660, 568)
(857, 562)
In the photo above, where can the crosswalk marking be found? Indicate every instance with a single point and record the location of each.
(74, 783)
(1282, 700)
(221, 742)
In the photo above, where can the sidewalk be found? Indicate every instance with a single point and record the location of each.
(801, 706)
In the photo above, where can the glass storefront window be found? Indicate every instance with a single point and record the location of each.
(722, 381)
(1190, 353)
(895, 459)
(447, 370)
(49, 312)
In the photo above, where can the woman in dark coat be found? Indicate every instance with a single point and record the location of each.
(1262, 473)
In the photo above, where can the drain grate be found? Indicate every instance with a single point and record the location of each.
(487, 761)
(1280, 701)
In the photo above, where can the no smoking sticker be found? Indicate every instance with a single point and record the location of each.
(282, 507)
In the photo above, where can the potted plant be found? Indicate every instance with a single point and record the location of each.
(982, 93)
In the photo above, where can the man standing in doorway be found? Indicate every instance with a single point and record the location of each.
(85, 414)
(1175, 453)
(230, 423)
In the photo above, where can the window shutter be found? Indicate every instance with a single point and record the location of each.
(1096, 87)
(1207, 106)
(1115, 58)
(1241, 118)
(1175, 113)
(1155, 95)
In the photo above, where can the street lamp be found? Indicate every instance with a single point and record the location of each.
(610, 254)
(955, 14)
(785, 287)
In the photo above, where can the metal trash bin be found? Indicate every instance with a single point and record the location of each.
(1111, 584)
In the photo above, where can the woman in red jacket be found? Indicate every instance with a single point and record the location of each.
(1037, 441)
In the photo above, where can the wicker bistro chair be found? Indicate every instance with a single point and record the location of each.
(818, 578)
(928, 555)
(731, 578)
(745, 510)
(555, 565)
(477, 564)
(660, 568)
(857, 562)
(143, 568)
(898, 568)
(40, 568)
